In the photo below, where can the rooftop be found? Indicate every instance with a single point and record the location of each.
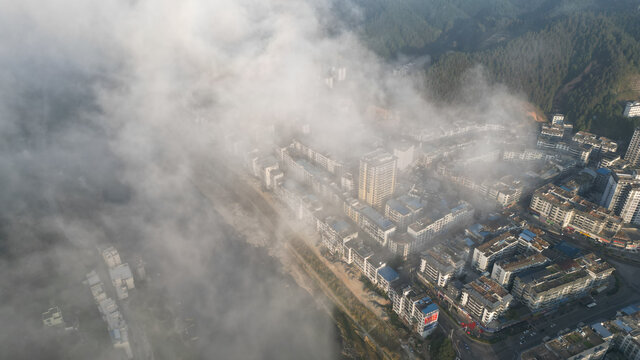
(575, 342)
(379, 219)
(121, 271)
(523, 262)
(487, 290)
(398, 206)
(498, 243)
(428, 308)
(378, 157)
(388, 274)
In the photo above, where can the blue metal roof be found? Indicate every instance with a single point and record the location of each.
(601, 330)
(603, 171)
(388, 274)
(430, 308)
(527, 235)
(469, 242)
(626, 328)
(631, 309)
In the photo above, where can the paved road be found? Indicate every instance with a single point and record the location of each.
(459, 338)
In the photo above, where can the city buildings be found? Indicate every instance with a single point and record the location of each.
(122, 280)
(53, 317)
(318, 158)
(505, 270)
(386, 277)
(403, 210)
(581, 344)
(599, 144)
(485, 299)
(559, 207)
(120, 273)
(414, 308)
(557, 119)
(622, 195)
(553, 130)
(377, 179)
(632, 109)
(632, 156)
(116, 324)
(506, 190)
(560, 282)
(504, 245)
(111, 257)
(370, 264)
(370, 220)
(429, 227)
(404, 151)
(335, 233)
(439, 266)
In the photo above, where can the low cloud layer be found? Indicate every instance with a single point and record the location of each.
(109, 110)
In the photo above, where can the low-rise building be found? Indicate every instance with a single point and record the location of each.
(403, 211)
(414, 308)
(116, 325)
(318, 157)
(439, 266)
(559, 207)
(386, 277)
(357, 253)
(552, 130)
(504, 245)
(334, 233)
(560, 282)
(598, 143)
(122, 280)
(404, 151)
(581, 344)
(111, 257)
(632, 109)
(504, 270)
(485, 299)
(53, 317)
(369, 220)
(486, 254)
(428, 227)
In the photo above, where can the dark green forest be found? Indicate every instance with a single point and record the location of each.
(578, 57)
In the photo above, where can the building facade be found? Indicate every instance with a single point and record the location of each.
(377, 179)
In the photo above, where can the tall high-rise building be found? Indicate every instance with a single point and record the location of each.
(622, 195)
(633, 152)
(377, 179)
(630, 212)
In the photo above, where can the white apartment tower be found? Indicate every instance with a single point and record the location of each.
(377, 178)
(622, 195)
(633, 152)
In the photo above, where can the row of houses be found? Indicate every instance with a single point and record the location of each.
(505, 191)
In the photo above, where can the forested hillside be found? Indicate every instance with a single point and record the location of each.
(572, 56)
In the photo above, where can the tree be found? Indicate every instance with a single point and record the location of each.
(446, 351)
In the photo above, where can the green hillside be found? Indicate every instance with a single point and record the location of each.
(572, 56)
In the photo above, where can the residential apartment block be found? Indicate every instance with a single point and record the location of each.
(485, 299)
